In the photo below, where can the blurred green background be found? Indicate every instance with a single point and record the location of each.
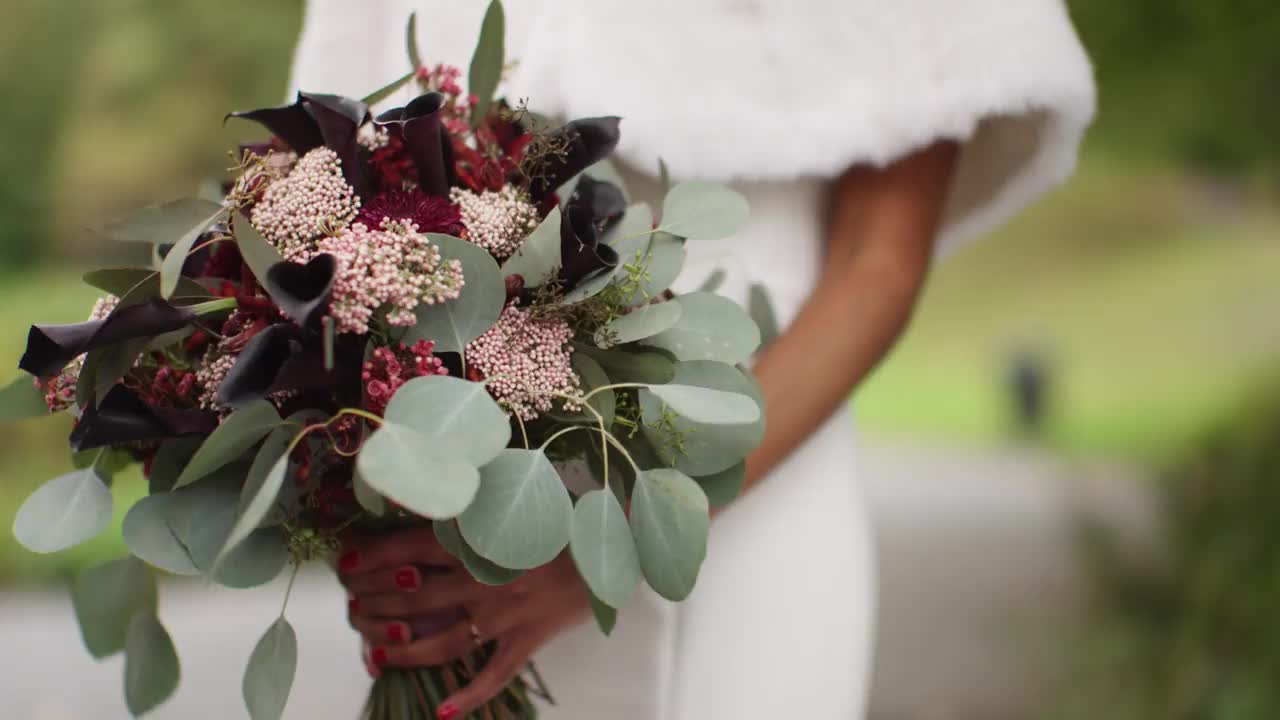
(1148, 286)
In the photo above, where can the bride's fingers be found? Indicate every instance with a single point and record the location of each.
(434, 595)
(380, 631)
(417, 546)
(513, 652)
(458, 641)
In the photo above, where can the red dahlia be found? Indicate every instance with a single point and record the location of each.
(430, 214)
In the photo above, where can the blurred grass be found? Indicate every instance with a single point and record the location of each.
(1152, 295)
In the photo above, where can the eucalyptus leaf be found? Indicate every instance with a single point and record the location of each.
(151, 669)
(454, 414)
(643, 322)
(171, 267)
(725, 486)
(486, 64)
(150, 536)
(670, 523)
(522, 512)
(760, 308)
(624, 365)
(257, 253)
(710, 327)
(603, 549)
(713, 281)
(591, 376)
(203, 516)
(169, 460)
(703, 449)
(141, 283)
(699, 210)
(606, 617)
(237, 433)
(484, 571)
(405, 466)
(268, 677)
(261, 488)
(661, 264)
(64, 512)
(388, 90)
(21, 399)
(162, 224)
(453, 324)
(705, 405)
(113, 361)
(538, 258)
(105, 598)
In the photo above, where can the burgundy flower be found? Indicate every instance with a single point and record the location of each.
(430, 213)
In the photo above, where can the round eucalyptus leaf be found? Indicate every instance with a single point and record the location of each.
(704, 405)
(539, 257)
(710, 328)
(105, 598)
(150, 537)
(700, 210)
(661, 264)
(174, 455)
(701, 449)
(203, 517)
(454, 414)
(21, 399)
(643, 322)
(603, 549)
(453, 324)
(64, 512)
(484, 571)
(521, 515)
(670, 522)
(592, 376)
(724, 487)
(268, 677)
(623, 365)
(254, 561)
(261, 488)
(237, 433)
(151, 668)
(407, 467)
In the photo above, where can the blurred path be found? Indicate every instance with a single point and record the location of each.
(974, 560)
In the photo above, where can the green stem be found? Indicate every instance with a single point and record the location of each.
(213, 306)
(615, 386)
(289, 589)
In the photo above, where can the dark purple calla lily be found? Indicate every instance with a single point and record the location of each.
(582, 255)
(316, 120)
(51, 347)
(303, 291)
(419, 126)
(259, 366)
(586, 142)
(602, 200)
(123, 417)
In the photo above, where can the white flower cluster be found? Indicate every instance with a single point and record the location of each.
(394, 268)
(496, 221)
(528, 362)
(312, 201)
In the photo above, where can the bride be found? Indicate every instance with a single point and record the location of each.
(869, 137)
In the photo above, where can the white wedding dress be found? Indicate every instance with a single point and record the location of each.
(776, 96)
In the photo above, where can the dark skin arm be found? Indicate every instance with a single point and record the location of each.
(880, 241)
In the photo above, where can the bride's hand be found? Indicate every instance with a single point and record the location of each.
(417, 607)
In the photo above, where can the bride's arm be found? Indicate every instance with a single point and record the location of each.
(880, 240)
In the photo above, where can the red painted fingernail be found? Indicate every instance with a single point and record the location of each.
(353, 606)
(349, 561)
(447, 711)
(397, 632)
(378, 656)
(407, 578)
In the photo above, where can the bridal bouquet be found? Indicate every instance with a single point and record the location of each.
(447, 313)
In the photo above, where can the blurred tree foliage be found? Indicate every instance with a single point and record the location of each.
(116, 103)
(1193, 635)
(1198, 80)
